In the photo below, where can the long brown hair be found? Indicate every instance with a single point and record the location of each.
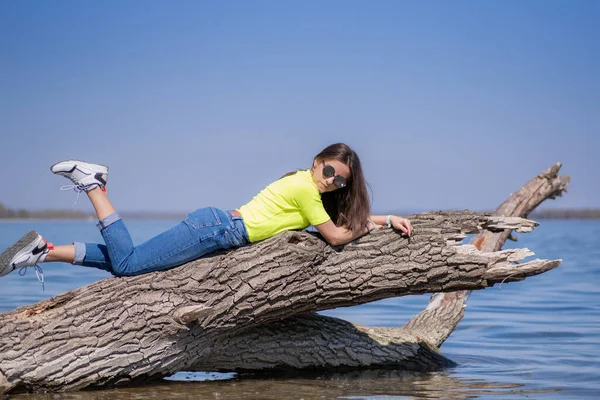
(350, 206)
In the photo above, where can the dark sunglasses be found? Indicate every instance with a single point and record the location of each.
(329, 172)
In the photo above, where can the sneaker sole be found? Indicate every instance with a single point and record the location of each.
(8, 254)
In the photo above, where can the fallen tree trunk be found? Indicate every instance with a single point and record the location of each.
(135, 329)
(316, 341)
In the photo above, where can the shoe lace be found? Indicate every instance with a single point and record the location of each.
(39, 273)
(78, 188)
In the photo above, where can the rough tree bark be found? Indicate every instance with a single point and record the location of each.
(316, 341)
(206, 314)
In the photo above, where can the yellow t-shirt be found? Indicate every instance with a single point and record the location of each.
(292, 202)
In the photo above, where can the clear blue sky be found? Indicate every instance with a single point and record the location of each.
(197, 103)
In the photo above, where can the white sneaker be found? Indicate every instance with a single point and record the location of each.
(26, 252)
(85, 176)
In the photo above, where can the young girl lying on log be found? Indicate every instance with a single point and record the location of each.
(331, 196)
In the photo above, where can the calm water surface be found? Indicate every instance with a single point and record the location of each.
(536, 339)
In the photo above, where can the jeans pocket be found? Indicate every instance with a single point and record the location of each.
(202, 218)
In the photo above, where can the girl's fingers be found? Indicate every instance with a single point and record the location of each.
(403, 229)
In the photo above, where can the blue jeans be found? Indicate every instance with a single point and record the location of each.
(201, 232)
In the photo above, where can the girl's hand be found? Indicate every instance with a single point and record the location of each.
(401, 224)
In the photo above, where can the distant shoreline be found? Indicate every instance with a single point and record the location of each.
(92, 217)
(69, 215)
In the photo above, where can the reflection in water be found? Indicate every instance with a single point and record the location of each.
(369, 384)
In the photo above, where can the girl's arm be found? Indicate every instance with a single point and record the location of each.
(336, 235)
(399, 223)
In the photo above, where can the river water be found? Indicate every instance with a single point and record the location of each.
(536, 339)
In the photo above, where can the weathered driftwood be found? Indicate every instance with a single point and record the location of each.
(448, 308)
(316, 341)
(131, 330)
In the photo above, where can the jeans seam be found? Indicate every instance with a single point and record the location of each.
(211, 236)
(159, 260)
(237, 235)
(185, 248)
(197, 243)
(110, 244)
